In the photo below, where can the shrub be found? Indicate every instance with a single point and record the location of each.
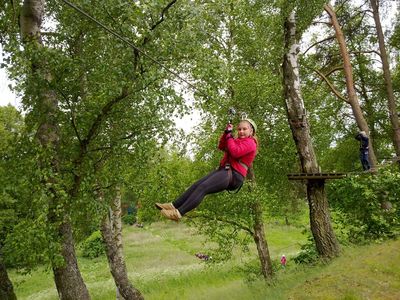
(367, 205)
(308, 254)
(129, 219)
(93, 246)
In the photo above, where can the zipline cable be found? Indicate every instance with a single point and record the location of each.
(112, 32)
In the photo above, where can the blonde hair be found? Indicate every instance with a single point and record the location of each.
(253, 134)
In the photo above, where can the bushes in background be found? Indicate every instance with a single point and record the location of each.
(367, 205)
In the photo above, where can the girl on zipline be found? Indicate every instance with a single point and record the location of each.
(239, 154)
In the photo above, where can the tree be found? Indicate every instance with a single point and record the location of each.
(393, 115)
(352, 95)
(111, 230)
(10, 129)
(331, 117)
(324, 236)
(235, 65)
(67, 277)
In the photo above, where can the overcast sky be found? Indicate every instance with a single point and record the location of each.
(6, 96)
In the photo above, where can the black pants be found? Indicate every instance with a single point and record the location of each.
(364, 159)
(214, 182)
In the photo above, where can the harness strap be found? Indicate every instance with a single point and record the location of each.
(244, 165)
(230, 176)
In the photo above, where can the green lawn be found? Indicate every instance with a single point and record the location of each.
(162, 265)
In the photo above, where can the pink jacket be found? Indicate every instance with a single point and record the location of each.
(236, 151)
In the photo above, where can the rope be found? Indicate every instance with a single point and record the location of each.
(112, 32)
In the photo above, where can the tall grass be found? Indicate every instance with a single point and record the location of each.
(162, 264)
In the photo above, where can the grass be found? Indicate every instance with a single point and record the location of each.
(162, 265)
(369, 272)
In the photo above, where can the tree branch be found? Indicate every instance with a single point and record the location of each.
(73, 121)
(160, 20)
(163, 12)
(322, 22)
(337, 68)
(363, 52)
(316, 43)
(222, 220)
(331, 86)
(100, 117)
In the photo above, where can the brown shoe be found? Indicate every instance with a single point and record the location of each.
(172, 214)
(167, 206)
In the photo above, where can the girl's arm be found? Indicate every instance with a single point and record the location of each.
(222, 142)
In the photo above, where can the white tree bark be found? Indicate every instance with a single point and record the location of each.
(67, 277)
(111, 230)
(320, 222)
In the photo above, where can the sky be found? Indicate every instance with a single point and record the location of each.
(6, 95)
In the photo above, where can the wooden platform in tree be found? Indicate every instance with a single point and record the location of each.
(315, 176)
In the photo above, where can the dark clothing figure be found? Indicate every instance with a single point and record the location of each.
(364, 141)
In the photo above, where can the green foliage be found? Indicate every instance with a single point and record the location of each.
(11, 128)
(93, 246)
(308, 254)
(368, 205)
(228, 219)
(112, 107)
(30, 244)
(233, 52)
(167, 175)
(129, 219)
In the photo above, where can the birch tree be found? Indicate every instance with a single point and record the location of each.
(320, 222)
(111, 230)
(67, 276)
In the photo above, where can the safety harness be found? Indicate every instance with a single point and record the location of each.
(228, 167)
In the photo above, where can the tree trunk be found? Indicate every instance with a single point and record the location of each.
(6, 287)
(261, 243)
(394, 119)
(68, 280)
(320, 220)
(348, 71)
(324, 236)
(116, 221)
(368, 107)
(112, 236)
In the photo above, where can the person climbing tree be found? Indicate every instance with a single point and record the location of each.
(239, 154)
(364, 140)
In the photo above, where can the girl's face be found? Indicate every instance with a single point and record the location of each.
(244, 130)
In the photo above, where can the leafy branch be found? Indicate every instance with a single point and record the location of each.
(222, 220)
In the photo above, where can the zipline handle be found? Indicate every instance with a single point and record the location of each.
(231, 113)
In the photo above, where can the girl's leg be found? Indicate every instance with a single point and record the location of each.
(179, 202)
(236, 182)
(216, 181)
